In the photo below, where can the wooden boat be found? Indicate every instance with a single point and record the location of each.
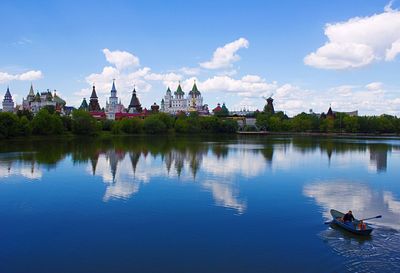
(350, 226)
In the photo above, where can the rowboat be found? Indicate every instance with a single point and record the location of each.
(350, 226)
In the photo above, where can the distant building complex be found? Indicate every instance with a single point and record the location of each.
(178, 103)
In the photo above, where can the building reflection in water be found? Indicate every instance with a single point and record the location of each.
(378, 157)
(13, 164)
(124, 174)
(217, 167)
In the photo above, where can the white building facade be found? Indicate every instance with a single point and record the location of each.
(174, 104)
(113, 106)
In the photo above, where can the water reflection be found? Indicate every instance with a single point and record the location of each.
(379, 253)
(365, 202)
(125, 163)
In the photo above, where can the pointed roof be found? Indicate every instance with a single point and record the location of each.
(179, 90)
(8, 94)
(134, 100)
(218, 108)
(113, 87)
(94, 95)
(194, 90)
(37, 97)
(31, 92)
(330, 112)
(84, 105)
(168, 90)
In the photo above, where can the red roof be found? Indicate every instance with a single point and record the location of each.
(218, 108)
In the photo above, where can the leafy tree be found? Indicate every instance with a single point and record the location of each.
(131, 126)
(26, 113)
(351, 124)
(67, 123)
(45, 123)
(302, 123)
(83, 123)
(167, 119)
(153, 125)
(8, 125)
(24, 126)
(107, 125)
(228, 126)
(50, 108)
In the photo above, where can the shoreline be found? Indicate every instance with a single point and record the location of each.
(318, 134)
(106, 135)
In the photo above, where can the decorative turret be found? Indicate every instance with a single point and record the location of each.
(94, 102)
(221, 111)
(113, 90)
(194, 92)
(179, 92)
(155, 108)
(84, 105)
(134, 105)
(162, 105)
(8, 103)
(31, 94)
(37, 97)
(330, 114)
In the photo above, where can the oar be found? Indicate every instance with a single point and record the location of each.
(379, 216)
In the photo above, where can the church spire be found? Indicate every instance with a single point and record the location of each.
(31, 92)
(113, 86)
(94, 95)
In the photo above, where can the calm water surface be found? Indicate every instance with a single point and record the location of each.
(253, 204)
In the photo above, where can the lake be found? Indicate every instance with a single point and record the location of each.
(197, 204)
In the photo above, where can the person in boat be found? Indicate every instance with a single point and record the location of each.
(348, 217)
(361, 225)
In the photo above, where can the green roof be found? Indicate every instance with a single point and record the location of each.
(179, 90)
(194, 89)
(84, 105)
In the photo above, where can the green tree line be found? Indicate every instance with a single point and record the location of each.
(49, 122)
(342, 123)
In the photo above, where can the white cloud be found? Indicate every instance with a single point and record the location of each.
(251, 85)
(121, 59)
(190, 71)
(26, 76)
(373, 86)
(359, 41)
(224, 56)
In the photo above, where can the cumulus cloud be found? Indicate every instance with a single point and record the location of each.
(121, 59)
(26, 76)
(359, 41)
(224, 56)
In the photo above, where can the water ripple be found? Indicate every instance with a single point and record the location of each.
(377, 253)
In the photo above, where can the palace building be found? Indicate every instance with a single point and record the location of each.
(174, 104)
(36, 102)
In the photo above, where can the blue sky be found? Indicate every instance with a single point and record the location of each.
(274, 47)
